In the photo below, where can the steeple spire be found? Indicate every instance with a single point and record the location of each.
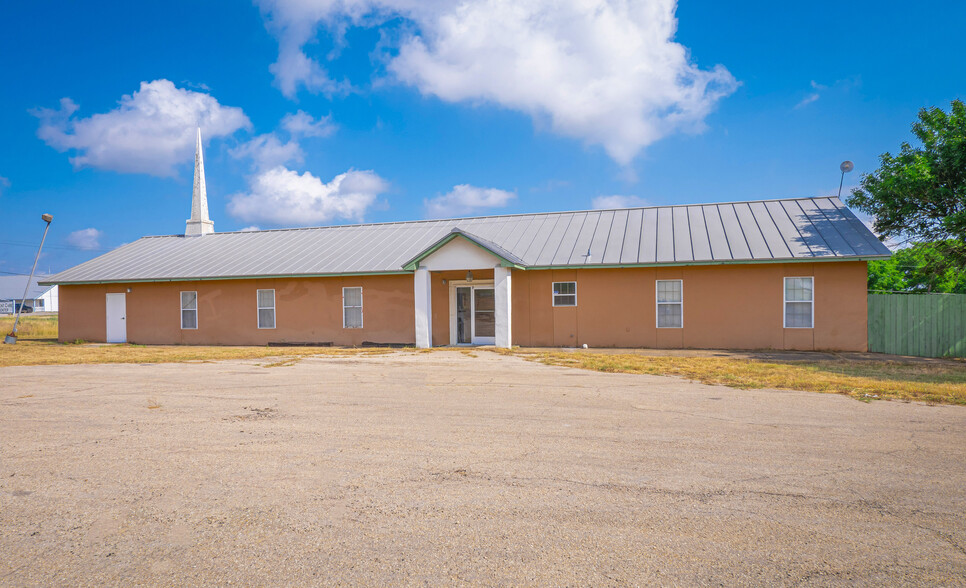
(199, 223)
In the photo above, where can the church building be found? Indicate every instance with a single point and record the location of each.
(767, 274)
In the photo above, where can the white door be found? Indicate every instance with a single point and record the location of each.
(117, 318)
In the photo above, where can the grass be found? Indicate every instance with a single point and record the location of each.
(941, 382)
(31, 327)
(929, 381)
(32, 352)
(37, 345)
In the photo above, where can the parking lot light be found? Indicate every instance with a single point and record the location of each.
(11, 339)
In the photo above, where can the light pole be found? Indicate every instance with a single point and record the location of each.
(846, 167)
(11, 339)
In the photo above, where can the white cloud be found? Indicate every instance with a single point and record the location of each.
(151, 131)
(294, 68)
(606, 72)
(249, 229)
(808, 100)
(818, 90)
(87, 239)
(813, 96)
(617, 201)
(281, 196)
(4, 183)
(268, 151)
(301, 124)
(465, 199)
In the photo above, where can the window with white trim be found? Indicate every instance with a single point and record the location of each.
(189, 310)
(266, 309)
(352, 308)
(799, 303)
(565, 293)
(670, 304)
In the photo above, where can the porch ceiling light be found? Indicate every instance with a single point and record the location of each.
(469, 276)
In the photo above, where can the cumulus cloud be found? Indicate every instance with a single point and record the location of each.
(151, 131)
(86, 239)
(249, 229)
(465, 199)
(283, 197)
(606, 72)
(268, 151)
(617, 201)
(301, 124)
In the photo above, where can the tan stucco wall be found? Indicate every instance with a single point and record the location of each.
(308, 310)
(733, 306)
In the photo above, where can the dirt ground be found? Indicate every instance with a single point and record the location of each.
(448, 468)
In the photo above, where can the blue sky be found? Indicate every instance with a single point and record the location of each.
(319, 112)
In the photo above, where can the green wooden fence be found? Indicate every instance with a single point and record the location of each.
(927, 325)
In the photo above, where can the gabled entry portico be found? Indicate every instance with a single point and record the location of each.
(479, 309)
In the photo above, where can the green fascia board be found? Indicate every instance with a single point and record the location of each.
(712, 262)
(413, 263)
(216, 278)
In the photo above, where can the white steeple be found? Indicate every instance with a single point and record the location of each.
(199, 223)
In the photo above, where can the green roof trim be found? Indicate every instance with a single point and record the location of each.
(215, 278)
(711, 262)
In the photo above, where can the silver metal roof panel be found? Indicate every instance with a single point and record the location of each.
(793, 229)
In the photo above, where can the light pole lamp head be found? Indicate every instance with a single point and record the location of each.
(846, 167)
(47, 217)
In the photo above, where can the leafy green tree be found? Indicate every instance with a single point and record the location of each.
(924, 267)
(919, 195)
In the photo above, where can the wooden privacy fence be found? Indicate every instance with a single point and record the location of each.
(927, 325)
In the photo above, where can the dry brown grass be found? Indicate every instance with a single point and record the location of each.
(37, 345)
(31, 352)
(31, 327)
(938, 382)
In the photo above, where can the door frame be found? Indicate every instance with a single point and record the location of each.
(453, 284)
(107, 318)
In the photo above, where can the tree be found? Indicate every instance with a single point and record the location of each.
(919, 195)
(924, 267)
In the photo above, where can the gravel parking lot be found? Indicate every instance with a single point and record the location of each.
(450, 467)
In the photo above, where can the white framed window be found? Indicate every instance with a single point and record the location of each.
(565, 293)
(189, 310)
(799, 303)
(266, 309)
(670, 304)
(352, 308)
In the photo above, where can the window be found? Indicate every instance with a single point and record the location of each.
(670, 304)
(352, 308)
(266, 309)
(189, 310)
(565, 293)
(799, 303)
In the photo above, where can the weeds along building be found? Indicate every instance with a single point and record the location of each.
(776, 274)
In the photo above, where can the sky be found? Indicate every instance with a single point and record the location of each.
(319, 112)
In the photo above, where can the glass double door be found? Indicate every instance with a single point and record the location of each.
(475, 315)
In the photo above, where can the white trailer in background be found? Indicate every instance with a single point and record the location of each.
(39, 298)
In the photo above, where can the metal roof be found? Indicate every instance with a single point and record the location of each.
(799, 229)
(11, 287)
